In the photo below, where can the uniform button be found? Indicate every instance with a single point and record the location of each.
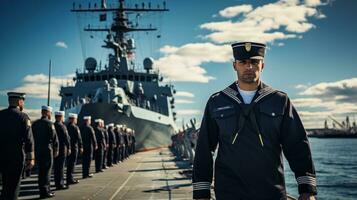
(273, 114)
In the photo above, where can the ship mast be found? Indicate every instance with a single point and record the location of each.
(116, 38)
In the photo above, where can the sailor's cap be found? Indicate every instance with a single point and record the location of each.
(98, 120)
(110, 125)
(72, 115)
(87, 117)
(47, 108)
(59, 113)
(16, 95)
(248, 50)
(119, 125)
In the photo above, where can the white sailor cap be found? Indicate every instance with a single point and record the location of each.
(59, 113)
(72, 115)
(119, 125)
(97, 120)
(47, 108)
(87, 117)
(128, 129)
(111, 124)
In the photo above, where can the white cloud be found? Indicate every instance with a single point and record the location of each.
(36, 85)
(183, 101)
(188, 112)
(325, 99)
(184, 63)
(184, 94)
(61, 44)
(267, 23)
(235, 10)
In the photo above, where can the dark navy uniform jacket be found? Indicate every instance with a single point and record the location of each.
(100, 137)
(16, 140)
(46, 140)
(111, 138)
(249, 163)
(88, 138)
(63, 138)
(75, 136)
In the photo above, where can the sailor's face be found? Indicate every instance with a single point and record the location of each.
(21, 104)
(248, 70)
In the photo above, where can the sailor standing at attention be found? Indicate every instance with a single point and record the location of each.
(76, 147)
(253, 125)
(64, 150)
(46, 148)
(16, 145)
(89, 145)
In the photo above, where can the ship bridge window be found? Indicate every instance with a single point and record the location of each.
(130, 77)
(91, 78)
(97, 78)
(142, 78)
(136, 78)
(86, 78)
(148, 78)
(104, 77)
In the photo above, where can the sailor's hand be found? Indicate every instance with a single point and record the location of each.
(81, 150)
(306, 196)
(55, 154)
(96, 147)
(69, 152)
(30, 164)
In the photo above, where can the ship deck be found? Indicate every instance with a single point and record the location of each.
(146, 175)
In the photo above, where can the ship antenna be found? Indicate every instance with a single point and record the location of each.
(49, 83)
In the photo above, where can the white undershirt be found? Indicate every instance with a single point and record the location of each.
(247, 95)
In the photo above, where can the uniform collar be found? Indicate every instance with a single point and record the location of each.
(262, 91)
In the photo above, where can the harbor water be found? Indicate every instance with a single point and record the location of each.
(336, 168)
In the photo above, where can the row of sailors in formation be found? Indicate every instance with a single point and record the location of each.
(61, 143)
(184, 143)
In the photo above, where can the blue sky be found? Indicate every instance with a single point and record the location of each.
(311, 50)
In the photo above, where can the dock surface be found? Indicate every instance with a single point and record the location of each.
(146, 175)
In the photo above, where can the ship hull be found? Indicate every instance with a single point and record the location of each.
(148, 134)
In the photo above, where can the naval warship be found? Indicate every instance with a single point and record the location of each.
(343, 130)
(120, 93)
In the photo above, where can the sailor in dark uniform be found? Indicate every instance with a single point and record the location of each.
(126, 142)
(111, 143)
(121, 143)
(105, 153)
(64, 150)
(253, 125)
(101, 146)
(16, 145)
(89, 144)
(133, 140)
(116, 148)
(46, 148)
(76, 147)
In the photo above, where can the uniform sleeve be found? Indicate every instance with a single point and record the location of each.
(203, 163)
(28, 140)
(94, 140)
(297, 151)
(114, 139)
(79, 138)
(54, 138)
(67, 139)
